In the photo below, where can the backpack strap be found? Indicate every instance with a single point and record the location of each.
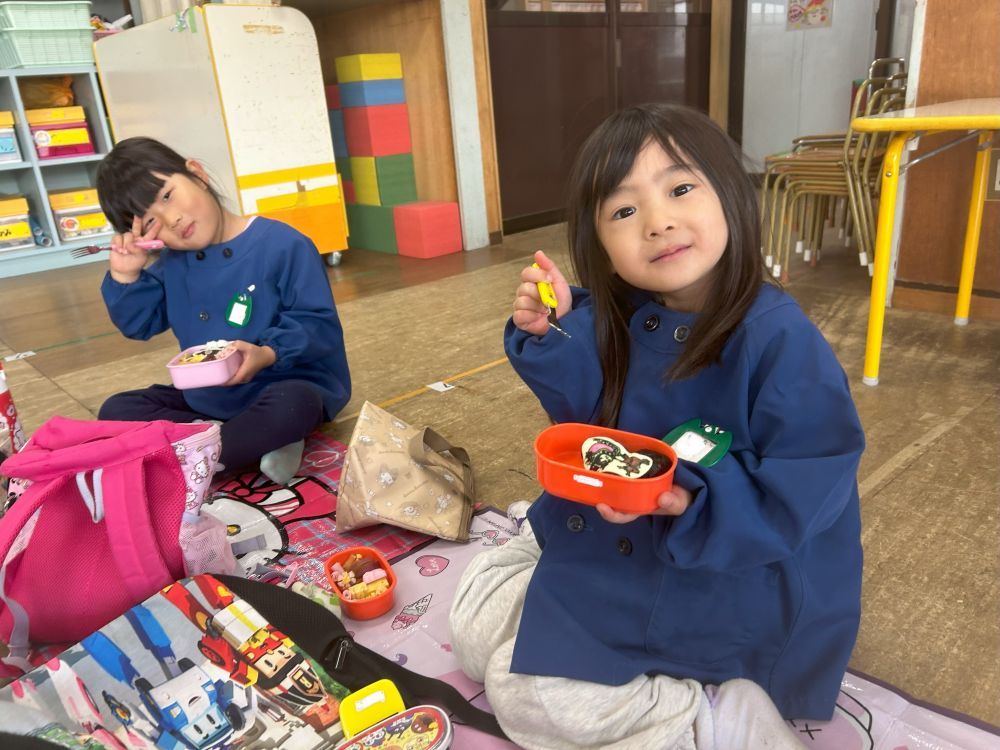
(14, 522)
(321, 634)
(131, 538)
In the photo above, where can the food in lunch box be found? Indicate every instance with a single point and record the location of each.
(601, 453)
(211, 351)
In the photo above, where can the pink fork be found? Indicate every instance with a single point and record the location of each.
(83, 252)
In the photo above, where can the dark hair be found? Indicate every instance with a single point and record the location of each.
(126, 183)
(604, 161)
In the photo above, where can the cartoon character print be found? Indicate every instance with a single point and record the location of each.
(412, 612)
(375, 739)
(201, 472)
(443, 502)
(386, 476)
(198, 467)
(263, 520)
(490, 537)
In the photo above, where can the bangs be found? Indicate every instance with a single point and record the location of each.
(616, 152)
(127, 194)
(127, 182)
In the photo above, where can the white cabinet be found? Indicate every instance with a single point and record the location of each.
(238, 88)
(36, 178)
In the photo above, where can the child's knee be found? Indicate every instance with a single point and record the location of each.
(117, 408)
(488, 602)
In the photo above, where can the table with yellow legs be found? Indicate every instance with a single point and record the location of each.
(978, 116)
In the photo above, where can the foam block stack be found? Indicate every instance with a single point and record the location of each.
(370, 125)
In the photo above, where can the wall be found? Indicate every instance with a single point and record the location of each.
(799, 82)
(958, 60)
(413, 28)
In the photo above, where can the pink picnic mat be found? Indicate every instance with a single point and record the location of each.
(285, 532)
(869, 715)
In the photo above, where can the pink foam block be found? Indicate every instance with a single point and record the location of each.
(427, 229)
(382, 130)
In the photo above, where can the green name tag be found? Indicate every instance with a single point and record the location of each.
(238, 312)
(699, 443)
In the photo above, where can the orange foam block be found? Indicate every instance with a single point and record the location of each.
(382, 130)
(427, 229)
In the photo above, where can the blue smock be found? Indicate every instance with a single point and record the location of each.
(760, 577)
(292, 311)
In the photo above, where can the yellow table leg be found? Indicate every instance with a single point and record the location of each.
(883, 252)
(972, 232)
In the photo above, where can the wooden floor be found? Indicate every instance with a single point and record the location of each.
(929, 477)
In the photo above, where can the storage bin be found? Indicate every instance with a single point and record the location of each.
(64, 14)
(9, 150)
(59, 132)
(15, 231)
(77, 214)
(22, 48)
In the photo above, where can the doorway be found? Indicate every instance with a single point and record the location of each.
(559, 67)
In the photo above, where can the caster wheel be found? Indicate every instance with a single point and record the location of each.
(334, 258)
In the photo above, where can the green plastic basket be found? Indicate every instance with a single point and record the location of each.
(63, 14)
(22, 48)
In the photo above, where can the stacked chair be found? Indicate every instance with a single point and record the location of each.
(830, 177)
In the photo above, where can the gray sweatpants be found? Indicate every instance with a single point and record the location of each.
(556, 713)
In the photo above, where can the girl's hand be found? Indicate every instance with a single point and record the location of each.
(671, 503)
(255, 359)
(530, 315)
(127, 260)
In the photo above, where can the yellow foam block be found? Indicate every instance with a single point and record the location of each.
(365, 180)
(368, 67)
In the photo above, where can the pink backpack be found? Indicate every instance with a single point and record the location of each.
(97, 529)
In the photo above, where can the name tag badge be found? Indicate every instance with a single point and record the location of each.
(238, 312)
(698, 442)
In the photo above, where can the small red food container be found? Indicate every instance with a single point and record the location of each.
(373, 606)
(559, 463)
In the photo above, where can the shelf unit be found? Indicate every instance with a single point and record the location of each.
(35, 178)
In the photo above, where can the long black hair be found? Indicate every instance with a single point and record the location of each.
(127, 183)
(606, 158)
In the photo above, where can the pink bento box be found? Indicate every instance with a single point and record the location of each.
(202, 374)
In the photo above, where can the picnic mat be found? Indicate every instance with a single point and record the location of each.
(284, 532)
(870, 715)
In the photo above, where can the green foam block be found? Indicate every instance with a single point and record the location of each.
(371, 228)
(396, 181)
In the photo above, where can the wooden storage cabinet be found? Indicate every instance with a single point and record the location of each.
(36, 178)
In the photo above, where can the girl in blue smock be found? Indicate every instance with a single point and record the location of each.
(749, 573)
(294, 374)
